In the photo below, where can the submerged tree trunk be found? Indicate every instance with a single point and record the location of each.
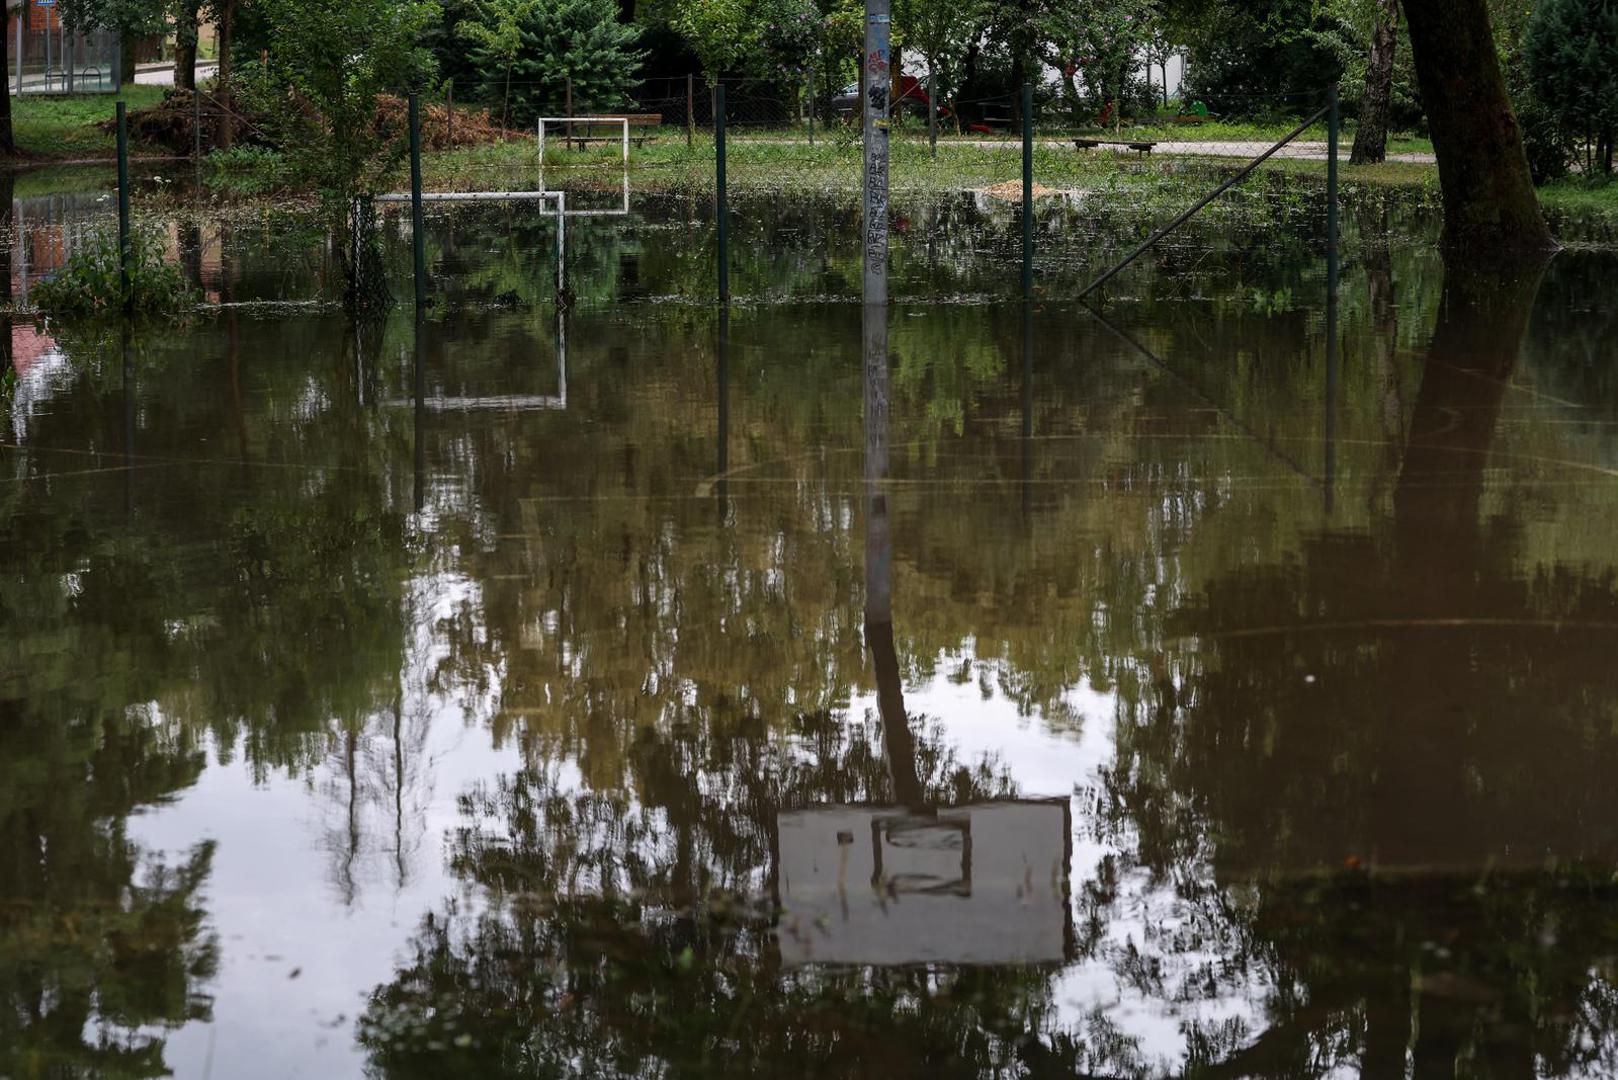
(1490, 208)
(1371, 137)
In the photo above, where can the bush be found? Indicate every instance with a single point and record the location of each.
(530, 49)
(90, 285)
(1572, 52)
(247, 169)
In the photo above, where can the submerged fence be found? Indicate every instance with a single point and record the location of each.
(1058, 211)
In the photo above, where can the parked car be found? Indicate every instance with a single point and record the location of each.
(912, 101)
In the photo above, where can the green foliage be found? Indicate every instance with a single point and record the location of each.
(721, 33)
(247, 169)
(136, 18)
(1258, 58)
(332, 60)
(530, 49)
(91, 285)
(331, 63)
(1571, 48)
(941, 31)
(1102, 40)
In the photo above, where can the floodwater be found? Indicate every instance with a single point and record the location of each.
(977, 691)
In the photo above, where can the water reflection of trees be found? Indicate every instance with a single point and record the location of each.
(1398, 742)
(674, 685)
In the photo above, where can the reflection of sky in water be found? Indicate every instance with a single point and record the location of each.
(272, 895)
(276, 900)
(588, 544)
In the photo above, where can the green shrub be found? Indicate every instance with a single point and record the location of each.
(1572, 51)
(90, 285)
(247, 169)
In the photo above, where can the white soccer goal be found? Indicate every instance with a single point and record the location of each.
(568, 122)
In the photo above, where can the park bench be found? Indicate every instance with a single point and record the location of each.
(1139, 145)
(642, 129)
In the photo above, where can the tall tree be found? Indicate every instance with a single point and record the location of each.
(1490, 208)
(225, 14)
(534, 50)
(1371, 136)
(1572, 51)
(187, 19)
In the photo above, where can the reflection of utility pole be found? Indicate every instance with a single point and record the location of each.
(896, 736)
(398, 785)
(1027, 405)
(421, 408)
(724, 410)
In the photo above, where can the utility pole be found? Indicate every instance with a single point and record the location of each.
(875, 64)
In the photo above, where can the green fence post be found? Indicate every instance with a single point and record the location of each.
(124, 249)
(1334, 124)
(417, 218)
(1028, 191)
(723, 206)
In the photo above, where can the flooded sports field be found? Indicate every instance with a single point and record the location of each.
(631, 687)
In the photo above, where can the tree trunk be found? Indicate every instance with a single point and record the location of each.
(227, 118)
(1490, 208)
(185, 45)
(1371, 137)
(126, 57)
(8, 140)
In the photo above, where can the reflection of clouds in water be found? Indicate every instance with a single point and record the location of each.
(1156, 965)
(269, 897)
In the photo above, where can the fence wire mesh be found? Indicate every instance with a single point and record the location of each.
(646, 228)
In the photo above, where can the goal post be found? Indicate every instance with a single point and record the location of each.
(568, 121)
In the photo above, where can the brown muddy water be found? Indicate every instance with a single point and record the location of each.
(645, 692)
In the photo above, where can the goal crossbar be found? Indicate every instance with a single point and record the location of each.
(622, 121)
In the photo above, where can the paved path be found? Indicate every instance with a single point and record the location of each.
(145, 75)
(1298, 151)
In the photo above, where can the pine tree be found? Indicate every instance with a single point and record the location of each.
(1572, 51)
(530, 49)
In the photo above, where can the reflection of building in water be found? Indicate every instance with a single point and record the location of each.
(49, 229)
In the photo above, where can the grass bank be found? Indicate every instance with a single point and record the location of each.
(58, 127)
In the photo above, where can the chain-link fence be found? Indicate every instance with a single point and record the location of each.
(644, 222)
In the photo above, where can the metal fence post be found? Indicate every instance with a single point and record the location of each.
(723, 205)
(878, 36)
(1333, 271)
(196, 124)
(932, 110)
(449, 113)
(1334, 125)
(417, 219)
(124, 251)
(1028, 191)
(811, 106)
(690, 109)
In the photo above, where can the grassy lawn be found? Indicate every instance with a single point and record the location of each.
(63, 128)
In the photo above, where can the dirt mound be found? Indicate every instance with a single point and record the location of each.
(472, 127)
(1011, 191)
(171, 124)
